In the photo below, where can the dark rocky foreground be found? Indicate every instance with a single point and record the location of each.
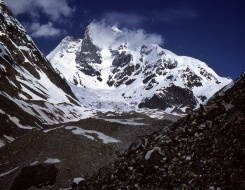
(74, 156)
(40, 175)
(205, 150)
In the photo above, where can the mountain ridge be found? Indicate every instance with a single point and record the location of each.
(137, 75)
(32, 94)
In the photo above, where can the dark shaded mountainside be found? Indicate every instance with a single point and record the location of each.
(204, 150)
(31, 92)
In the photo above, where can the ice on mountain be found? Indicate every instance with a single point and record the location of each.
(16, 121)
(9, 138)
(34, 163)
(77, 179)
(2, 143)
(132, 121)
(52, 160)
(128, 76)
(89, 134)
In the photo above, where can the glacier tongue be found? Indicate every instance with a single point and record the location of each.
(109, 70)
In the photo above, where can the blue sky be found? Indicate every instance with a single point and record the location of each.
(211, 31)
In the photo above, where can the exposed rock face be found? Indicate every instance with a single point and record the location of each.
(182, 99)
(88, 56)
(39, 176)
(122, 68)
(204, 150)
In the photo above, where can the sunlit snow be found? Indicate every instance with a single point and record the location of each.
(8, 172)
(52, 160)
(89, 134)
(98, 95)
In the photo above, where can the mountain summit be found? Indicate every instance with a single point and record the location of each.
(113, 69)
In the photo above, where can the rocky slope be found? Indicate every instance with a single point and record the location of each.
(110, 70)
(98, 141)
(204, 150)
(31, 92)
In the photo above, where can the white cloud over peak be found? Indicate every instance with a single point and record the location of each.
(46, 30)
(106, 36)
(54, 9)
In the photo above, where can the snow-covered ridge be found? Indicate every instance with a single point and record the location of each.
(128, 70)
(32, 94)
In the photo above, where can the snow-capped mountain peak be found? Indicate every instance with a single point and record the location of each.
(127, 70)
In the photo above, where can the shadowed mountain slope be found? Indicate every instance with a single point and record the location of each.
(31, 92)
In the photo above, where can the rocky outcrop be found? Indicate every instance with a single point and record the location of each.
(204, 150)
(122, 69)
(88, 56)
(180, 100)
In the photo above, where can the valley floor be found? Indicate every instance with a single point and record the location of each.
(77, 149)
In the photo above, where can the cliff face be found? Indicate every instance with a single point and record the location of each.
(203, 150)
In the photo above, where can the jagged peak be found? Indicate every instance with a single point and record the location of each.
(87, 34)
(87, 30)
(70, 39)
